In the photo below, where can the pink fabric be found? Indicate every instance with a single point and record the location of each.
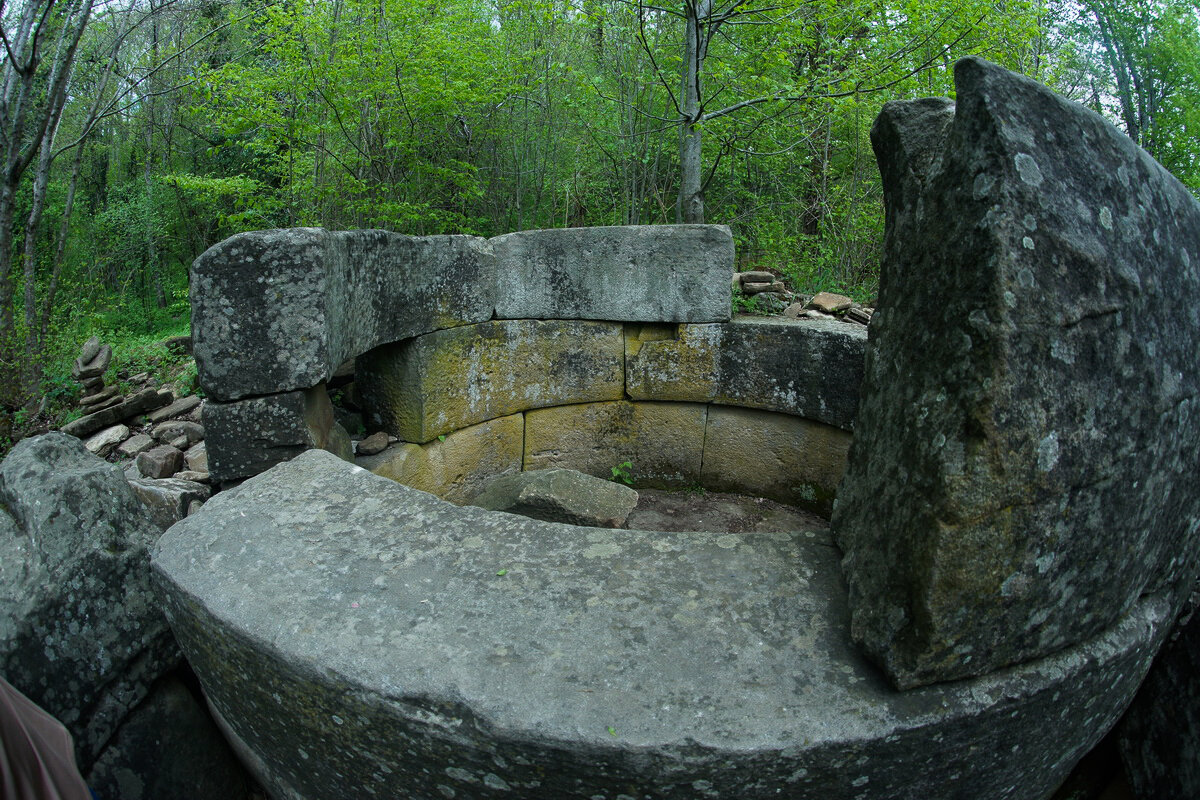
(37, 758)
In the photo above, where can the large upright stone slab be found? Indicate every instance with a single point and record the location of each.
(1027, 446)
(278, 310)
(632, 273)
(430, 385)
(409, 648)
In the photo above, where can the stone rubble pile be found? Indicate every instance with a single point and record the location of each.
(157, 437)
(771, 295)
(827, 305)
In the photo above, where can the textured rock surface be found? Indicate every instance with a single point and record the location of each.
(160, 462)
(169, 749)
(431, 385)
(168, 499)
(247, 436)
(664, 441)
(792, 460)
(640, 273)
(140, 403)
(81, 633)
(457, 467)
(560, 495)
(1026, 450)
(1159, 735)
(812, 369)
(274, 311)
(415, 649)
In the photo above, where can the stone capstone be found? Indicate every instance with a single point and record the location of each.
(431, 385)
(810, 369)
(275, 311)
(93, 367)
(641, 273)
(1025, 453)
(81, 633)
(560, 495)
(339, 619)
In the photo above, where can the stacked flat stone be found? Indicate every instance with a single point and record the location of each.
(769, 291)
(88, 370)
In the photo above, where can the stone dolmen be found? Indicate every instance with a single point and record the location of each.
(1012, 541)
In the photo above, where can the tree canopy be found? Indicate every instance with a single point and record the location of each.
(139, 132)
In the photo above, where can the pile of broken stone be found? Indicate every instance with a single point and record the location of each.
(772, 295)
(159, 435)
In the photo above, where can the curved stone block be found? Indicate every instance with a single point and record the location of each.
(430, 385)
(631, 273)
(459, 465)
(1025, 453)
(278, 310)
(789, 459)
(811, 369)
(663, 441)
(411, 648)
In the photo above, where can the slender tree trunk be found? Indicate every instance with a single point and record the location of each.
(689, 207)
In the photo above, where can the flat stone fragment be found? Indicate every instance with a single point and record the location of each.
(664, 442)
(107, 393)
(830, 303)
(168, 498)
(375, 443)
(248, 436)
(811, 369)
(338, 619)
(81, 633)
(638, 273)
(179, 408)
(140, 403)
(196, 457)
(191, 432)
(560, 495)
(138, 443)
(276, 311)
(431, 385)
(106, 440)
(1025, 454)
(160, 462)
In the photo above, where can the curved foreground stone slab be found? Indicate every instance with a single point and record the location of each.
(363, 639)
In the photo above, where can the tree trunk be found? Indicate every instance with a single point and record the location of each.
(689, 208)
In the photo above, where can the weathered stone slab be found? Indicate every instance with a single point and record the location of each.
(248, 436)
(160, 462)
(179, 408)
(1159, 736)
(642, 273)
(1027, 446)
(431, 385)
(140, 403)
(274, 311)
(138, 443)
(81, 633)
(342, 620)
(560, 495)
(106, 440)
(811, 369)
(168, 499)
(663, 441)
(457, 467)
(789, 459)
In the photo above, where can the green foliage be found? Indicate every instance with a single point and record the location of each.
(623, 473)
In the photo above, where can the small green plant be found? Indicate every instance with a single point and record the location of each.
(623, 473)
